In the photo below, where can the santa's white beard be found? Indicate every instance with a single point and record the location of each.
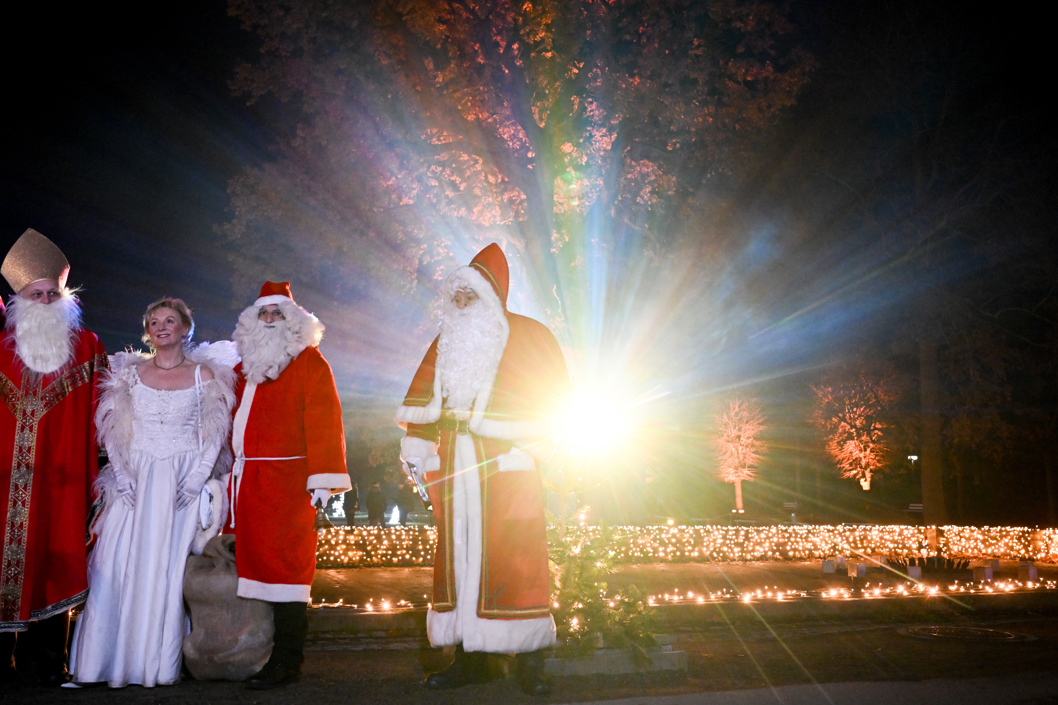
(468, 353)
(265, 349)
(44, 333)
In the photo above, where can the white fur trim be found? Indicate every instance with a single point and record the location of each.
(273, 592)
(213, 510)
(336, 482)
(511, 430)
(430, 413)
(471, 277)
(462, 625)
(415, 447)
(504, 636)
(514, 461)
(433, 464)
(271, 299)
(242, 415)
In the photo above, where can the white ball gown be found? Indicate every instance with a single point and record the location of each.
(133, 623)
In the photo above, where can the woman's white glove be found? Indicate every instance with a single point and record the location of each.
(191, 486)
(125, 489)
(188, 492)
(320, 497)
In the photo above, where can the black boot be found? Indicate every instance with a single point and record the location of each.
(467, 668)
(288, 647)
(44, 643)
(529, 672)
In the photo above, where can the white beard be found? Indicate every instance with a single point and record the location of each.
(468, 353)
(44, 333)
(267, 349)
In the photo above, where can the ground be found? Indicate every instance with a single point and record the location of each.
(731, 647)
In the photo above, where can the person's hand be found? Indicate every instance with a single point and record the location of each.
(186, 494)
(320, 497)
(414, 468)
(191, 486)
(125, 489)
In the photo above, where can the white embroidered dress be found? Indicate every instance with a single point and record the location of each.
(134, 623)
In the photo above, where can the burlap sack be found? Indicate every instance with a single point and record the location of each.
(231, 636)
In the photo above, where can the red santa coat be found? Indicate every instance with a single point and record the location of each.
(48, 462)
(529, 388)
(290, 433)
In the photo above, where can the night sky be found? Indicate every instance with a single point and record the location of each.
(123, 134)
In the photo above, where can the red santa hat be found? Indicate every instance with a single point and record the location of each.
(492, 265)
(274, 293)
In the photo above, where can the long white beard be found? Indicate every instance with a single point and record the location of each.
(267, 349)
(44, 333)
(468, 353)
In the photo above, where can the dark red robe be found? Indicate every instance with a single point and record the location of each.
(48, 462)
(528, 392)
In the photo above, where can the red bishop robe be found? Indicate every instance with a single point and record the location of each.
(48, 462)
(290, 433)
(530, 386)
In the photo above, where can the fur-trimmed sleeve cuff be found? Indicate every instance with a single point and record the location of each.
(413, 447)
(336, 482)
(513, 430)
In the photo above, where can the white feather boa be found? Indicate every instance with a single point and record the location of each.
(114, 413)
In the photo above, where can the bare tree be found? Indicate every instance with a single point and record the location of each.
(739, 446)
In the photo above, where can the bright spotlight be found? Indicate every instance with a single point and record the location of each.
(596, 421)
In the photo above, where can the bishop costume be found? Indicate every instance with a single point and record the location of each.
(48, 457)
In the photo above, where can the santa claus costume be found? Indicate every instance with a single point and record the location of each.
(288, 442)
(49, 366)
(480, 416)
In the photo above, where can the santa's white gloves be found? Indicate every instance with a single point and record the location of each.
(416, 454)
(125, 489)
(320, 497)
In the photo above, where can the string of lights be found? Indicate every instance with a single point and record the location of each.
(402, 546)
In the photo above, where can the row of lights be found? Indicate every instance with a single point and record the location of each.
(765, 594)
(374, 546)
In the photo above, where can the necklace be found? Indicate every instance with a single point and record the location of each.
(155, 361)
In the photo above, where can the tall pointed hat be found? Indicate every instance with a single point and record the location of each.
(34, 257)
(492, 265)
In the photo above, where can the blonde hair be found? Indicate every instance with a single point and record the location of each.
(181, 310)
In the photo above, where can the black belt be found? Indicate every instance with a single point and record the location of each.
(449, 422)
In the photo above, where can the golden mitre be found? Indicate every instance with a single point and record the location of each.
(32, 258)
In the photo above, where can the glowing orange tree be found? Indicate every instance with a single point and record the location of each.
(851, 413)
(739, 446)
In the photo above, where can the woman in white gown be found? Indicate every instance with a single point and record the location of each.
(164, 420)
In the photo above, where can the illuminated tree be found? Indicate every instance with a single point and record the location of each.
(423, 122)
(739, 447)
(851, 413)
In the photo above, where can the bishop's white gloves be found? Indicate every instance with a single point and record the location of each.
(320, 497)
